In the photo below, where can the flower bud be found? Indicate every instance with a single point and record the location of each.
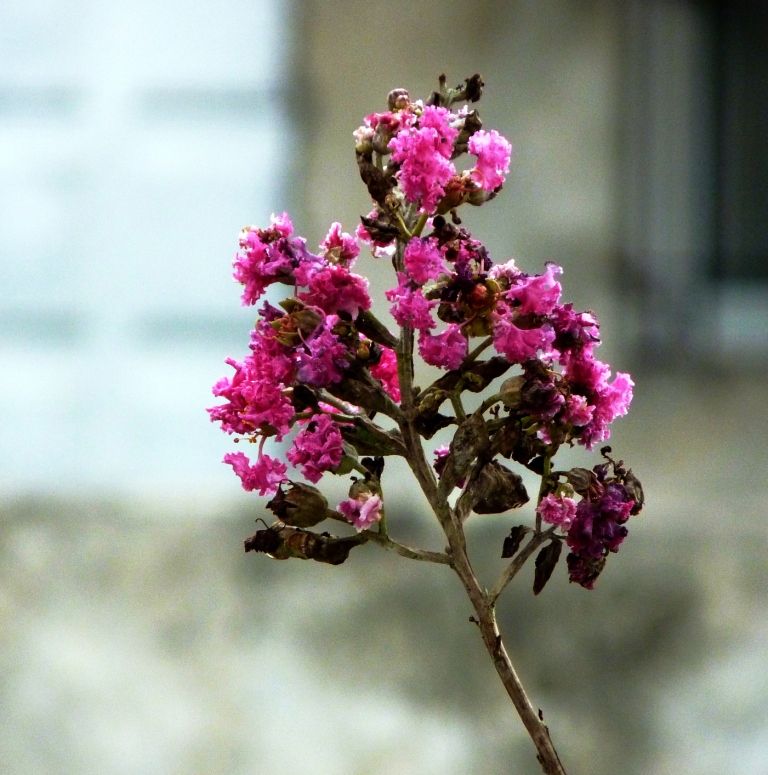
(497, 489)
(511, 390)
(398, 99)
(300, 506)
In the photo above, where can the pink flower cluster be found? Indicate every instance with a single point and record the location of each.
(422, 141)
(321, 352)
(312, 343)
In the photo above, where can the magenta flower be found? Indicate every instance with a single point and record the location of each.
(446, 350)
(255, 404)
(423, 261)
(493, 154)
(537, 294)
(424, 154)
(265, 475)
(362, 511)
(325, 358)
(317, 448)
(515, 343)
(589, 377)
(339, 247)
(578, 411)
(268, 256)
(557, 510)
(410, 307)
(335, 289)
(386, 372)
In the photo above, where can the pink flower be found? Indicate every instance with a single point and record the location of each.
(557, 510)
(439, 119)
(537, 294)
(362, 511)
(265, 475)
(318, 448)
(255, 403)
(268, 256)
(335, 289)
(518, 344)
(446, 350)
(578, 411)
(590, 377)
(493, 154)
(339, 247)
(410, 307)
(386, 372)
(424, 156)
(423, 260)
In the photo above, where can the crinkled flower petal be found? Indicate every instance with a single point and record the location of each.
(265, 475)
(363, 512)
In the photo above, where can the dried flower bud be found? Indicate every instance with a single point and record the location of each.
(511, 390)
(301, 505)
(398, 99)
(581, 479)
(283, 543)
(497, 489)
(635, 491)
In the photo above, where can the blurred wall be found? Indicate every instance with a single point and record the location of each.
(135, 636)
(551, 73)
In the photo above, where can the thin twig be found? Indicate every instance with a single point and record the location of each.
(404, 550)
(537, 539)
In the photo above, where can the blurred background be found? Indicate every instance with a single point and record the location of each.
(136, 139)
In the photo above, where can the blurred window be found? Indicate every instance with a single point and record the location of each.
(136, 139)
(694, 179)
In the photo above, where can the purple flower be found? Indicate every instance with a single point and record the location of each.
(362, 511)
(265, 475)
(446, 350)
(493, 154)
(574, 331)
(318, 448)
(598, 527)
(325, 358)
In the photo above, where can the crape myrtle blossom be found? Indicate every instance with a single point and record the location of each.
(362, 511)
(321, 366)
(447, 349)
(317, 448)
(423, 260)
(410, 307)
(557, 510)
(344, 390)
(423, 152)
(493, 154)
(264, 476)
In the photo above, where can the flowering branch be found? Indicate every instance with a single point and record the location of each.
(322, 369)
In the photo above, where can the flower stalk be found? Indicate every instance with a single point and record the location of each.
(327, 373)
